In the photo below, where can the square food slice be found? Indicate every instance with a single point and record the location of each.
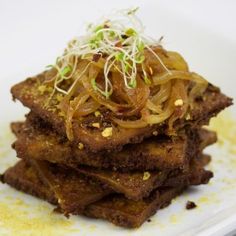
(23, 177)
(72, 190)
(42, 143)
(138, 185)
(132, 214)
(37, 140)
(133, 184)
(30, 94)
(115, 208)
(66, 185)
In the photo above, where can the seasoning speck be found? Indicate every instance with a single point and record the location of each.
(190, 205)
(96, 125)
(179, 102)
(155, 133)
(42, 89)
(188, 117)
(146, 175)
(97, 113)
(61, 113)
(107, 132)
(81, 146)
(59, 97)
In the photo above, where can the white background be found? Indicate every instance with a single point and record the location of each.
(33, 32)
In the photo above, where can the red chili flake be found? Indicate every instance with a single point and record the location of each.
(190, 205)
(118, 44)
(106, 26)
(96, 57)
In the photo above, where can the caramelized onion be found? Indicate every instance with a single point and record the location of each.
(145, 104)
(166, 77)
(175, 62)
(98, 97)
(136, 97)
(86, 108)
(155, 108)
(163, 94)
(179, 92)
(130, 124)
(74, 105)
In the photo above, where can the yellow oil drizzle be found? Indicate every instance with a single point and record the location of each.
(6, 137)
(209, 199)
(21, 219)
(7, 155)
(156, 224)
(92, 228)
(225, 126)
(174, 219)
(204, 199)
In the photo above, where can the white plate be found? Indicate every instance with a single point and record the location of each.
(33, 33)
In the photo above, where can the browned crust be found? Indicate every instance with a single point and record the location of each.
(22, 177)
(73, 191)
(41, 143)
(27, 92)
(131, 214)
(114, 208)
(38, 141)
(135, 187)
(195, 176)
(67, 183)
(131, 184)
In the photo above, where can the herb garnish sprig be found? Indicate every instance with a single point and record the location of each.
(120, 40)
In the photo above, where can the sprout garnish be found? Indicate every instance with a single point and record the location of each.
(120, 40)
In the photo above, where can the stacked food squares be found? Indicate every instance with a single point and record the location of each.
(124, 177)
(115, 129)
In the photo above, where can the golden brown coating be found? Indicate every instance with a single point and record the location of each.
(37, 140)
(211, 102)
